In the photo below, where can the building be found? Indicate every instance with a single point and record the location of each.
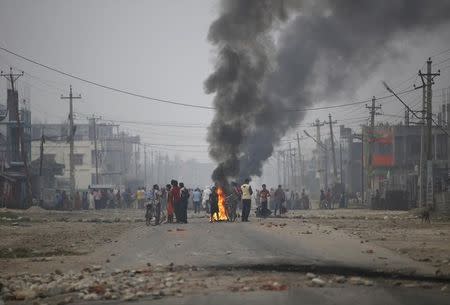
(99, 148)
(393, 167)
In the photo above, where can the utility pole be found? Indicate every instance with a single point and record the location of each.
(406, 117)
(41, 161)
(300, 163)
(94, 121)
(340, 163)
(145, 164)
(71, 139)
(373, 112)
(122, 176)
(333, 151)
(279, 167)
(136, 155)
(152, 168)
(12, 78)
(427, 83)
(292, 176)
(318, 124)
(422, 163)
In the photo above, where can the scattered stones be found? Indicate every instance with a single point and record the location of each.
(340, 279)
(91, 297)
(410, 285)
(356, 280)
(318, 282)
(274, 286)
(426, 285)
(310, 275)
(65, 301)
(25, 294)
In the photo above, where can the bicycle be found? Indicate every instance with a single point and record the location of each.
(154, 214)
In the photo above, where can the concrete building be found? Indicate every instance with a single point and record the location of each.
(394, 164)
(118, 160)
(59, 152)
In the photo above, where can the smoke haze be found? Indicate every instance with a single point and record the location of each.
(323, 49)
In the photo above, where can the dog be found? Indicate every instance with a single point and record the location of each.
(425, 214)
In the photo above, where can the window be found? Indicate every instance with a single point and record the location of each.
(78, 159)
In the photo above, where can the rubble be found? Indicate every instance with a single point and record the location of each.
(318, 282)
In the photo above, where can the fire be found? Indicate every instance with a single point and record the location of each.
(223, 216)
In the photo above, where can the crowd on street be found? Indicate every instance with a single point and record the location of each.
(175, 199)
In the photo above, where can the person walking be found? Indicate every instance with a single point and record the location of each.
(279, 197)
(247, 193)
(196, 198)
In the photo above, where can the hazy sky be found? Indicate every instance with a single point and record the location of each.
(158, 48)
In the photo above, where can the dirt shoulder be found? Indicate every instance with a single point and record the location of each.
(402, 232)
(37, 240)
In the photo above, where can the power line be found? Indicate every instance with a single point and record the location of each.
(351, 104)
(440, 53)
(159, 100)
(167, 101)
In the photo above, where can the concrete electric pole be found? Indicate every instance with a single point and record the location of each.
(12, 78)
(318, 124)
(333, 151)
(300, 163)
(72, 145)
(94, 122)
(427, 132)
(373, 112)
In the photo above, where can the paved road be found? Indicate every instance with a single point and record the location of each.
(200, 243)
(315, 296)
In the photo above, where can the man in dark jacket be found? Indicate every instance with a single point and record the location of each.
(184, 197)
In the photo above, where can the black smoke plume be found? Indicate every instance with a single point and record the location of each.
(322, 48)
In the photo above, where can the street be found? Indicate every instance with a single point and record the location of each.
(263, 261)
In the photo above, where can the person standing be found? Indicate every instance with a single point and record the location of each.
(279, 197)
(169, 203)
(119, 199)
(264, 199)
(205, 199)
(196, 198)
(176, 198)
(91, 200)
(77, 205)
(247, 193)
(214, 204)
(184, 199)
(84, 201)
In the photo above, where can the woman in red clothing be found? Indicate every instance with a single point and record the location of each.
(169, 204)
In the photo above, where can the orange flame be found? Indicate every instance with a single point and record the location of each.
(223, 215)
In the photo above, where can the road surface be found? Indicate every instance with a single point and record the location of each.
(271, 244)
